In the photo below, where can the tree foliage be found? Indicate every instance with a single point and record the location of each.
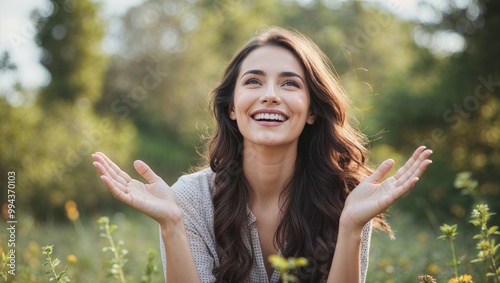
(70, 39)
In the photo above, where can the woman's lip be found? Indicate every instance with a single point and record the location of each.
(269, 123)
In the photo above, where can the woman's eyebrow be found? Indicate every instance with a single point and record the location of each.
(281, 75)
(255, 72)
(290, 74)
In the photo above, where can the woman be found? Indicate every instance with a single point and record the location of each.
(287, 176)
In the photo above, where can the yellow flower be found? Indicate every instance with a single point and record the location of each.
(301, 261)
(71, 258)
(278, 262)
(462, 279)
(466, 278)
(72, 210)
(432, 269)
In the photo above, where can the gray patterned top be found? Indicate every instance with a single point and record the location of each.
(194, 192)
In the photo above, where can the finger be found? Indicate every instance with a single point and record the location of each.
(104, 169)
(111, 168)
(119, 184)
(146, 172)
(117, 190)
(408, 183)
(109, 181)
(417, 167)
(381, 171)
(100, 168)
(410, 162)
(422, 166)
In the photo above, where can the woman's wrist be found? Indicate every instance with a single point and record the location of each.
(348, 225)
(173, 222)
(172, 228)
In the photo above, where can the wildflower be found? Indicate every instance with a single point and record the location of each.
(432, 268)
(449, 232)
(278, 262)
(284, 265)
(71, 258)
(465, 183)
(481, 215)
(462, 279)
(72, 210)
(487, 249)
(103, 220)
(47, 250)
(118, 260)
(426, 279)
(60, 277)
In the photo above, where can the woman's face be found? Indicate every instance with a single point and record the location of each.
(271, 98)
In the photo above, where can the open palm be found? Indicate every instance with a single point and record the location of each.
(156, 199)
(372, 197)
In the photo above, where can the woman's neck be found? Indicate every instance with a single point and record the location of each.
(268, 170)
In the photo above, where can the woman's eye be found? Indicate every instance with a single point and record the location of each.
(252, 81)
(290, 83)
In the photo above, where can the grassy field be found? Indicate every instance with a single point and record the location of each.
(416, 251)
(79, 247)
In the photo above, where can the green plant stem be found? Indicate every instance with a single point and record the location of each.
(494, 268)
(455, 263)
(493, 262)
(52, 268)
(486, 237)
(115, 253)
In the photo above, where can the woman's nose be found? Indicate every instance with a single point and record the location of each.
(271, 96)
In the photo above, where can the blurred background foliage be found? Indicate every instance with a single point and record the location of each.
(431, 80)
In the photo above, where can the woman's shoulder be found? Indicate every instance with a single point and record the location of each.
(197, 184)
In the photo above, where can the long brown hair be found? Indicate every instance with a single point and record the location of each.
(330, 163)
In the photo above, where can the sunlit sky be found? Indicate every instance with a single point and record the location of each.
(17, 33)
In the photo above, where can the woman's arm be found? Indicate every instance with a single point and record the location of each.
(346, 261)
(180, 264)
(156, 200)
(370, 198)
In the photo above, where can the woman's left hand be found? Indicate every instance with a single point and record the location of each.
(372, 197)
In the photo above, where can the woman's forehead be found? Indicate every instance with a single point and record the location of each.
(271, 60)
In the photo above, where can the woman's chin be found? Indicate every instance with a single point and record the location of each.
(269, 141)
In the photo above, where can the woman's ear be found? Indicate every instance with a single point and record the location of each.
(311, 118)
(232, 114)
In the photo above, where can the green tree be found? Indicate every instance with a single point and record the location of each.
(71, 38)
(451, 104)
(49, 141)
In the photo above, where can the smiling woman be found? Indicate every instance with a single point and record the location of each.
(271, 84)
(287, 176)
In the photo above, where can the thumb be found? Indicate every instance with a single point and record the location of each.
(145, 171)
(381, 171)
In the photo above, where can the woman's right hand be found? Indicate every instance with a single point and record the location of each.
(156, 199)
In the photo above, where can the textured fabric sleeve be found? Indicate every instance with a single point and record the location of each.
(365, 250)
(191, 192)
